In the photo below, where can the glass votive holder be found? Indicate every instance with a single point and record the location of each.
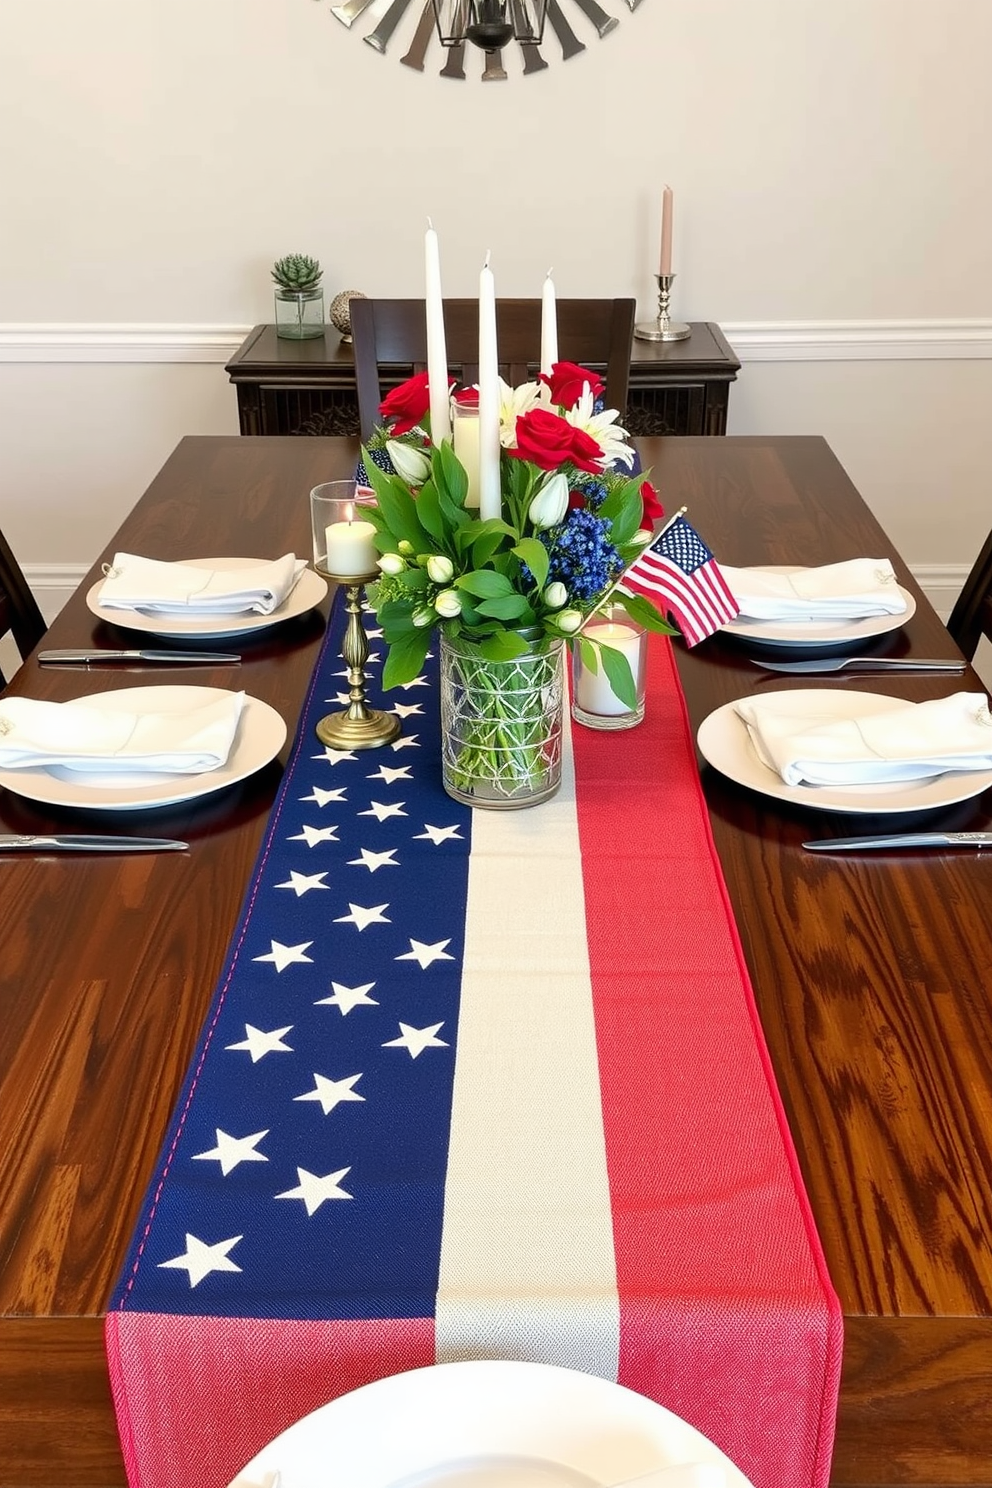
(594, 703)
(465, 440)
(343, 544)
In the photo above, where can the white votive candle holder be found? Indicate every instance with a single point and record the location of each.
(594, 703)
(465, 438)
(343, 544)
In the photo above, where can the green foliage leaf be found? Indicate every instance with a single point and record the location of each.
(396, 506)
(623, 508)
(619, 675)
(428, 508)
(588, 653)
(508, 607)
(449, 475)
(407, 654)
(485, 547)
(531, 550)
(641, 610)
(503, 645)
(485, 583)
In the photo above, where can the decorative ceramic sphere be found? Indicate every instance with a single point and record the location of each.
(339, 315)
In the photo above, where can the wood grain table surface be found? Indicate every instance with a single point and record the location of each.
(873, 977)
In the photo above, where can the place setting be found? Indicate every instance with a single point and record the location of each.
(149, 747)
(814, 611)
(840, 748)
(135, 748)
(204, 599)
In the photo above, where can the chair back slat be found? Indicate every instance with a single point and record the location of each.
(390, 344)
(19, 612)
(971, 617)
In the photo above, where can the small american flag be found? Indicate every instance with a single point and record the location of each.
(677, 573)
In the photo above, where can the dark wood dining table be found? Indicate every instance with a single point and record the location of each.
(873, 977)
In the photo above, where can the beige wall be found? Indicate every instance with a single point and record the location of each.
(830, 160)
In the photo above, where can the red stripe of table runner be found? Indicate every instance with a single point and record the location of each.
(727, 1314)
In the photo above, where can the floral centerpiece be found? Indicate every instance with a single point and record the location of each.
(505, 593)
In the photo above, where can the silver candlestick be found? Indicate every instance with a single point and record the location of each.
(664, 328)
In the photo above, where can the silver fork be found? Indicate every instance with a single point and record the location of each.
(863, 663)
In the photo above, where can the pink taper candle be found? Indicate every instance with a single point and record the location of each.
(665, 267)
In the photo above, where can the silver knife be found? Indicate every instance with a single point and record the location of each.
(380, 36)
(86, 842)
(350, 11)
(902, 839)
(84, 656)
(421, 39)
(570, 44)
(862, 664)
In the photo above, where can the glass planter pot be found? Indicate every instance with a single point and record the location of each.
(299, 313)
(501, 724)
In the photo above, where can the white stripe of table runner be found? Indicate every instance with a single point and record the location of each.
(527, 1259)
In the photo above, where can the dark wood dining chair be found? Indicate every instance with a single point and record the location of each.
(19, 612)
(390, 344)
(971, 617)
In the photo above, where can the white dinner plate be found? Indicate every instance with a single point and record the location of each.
(821, 634)
(260, 736)
(306, 595)
(482, 1424)
(725, 743)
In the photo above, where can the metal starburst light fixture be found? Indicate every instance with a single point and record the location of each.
(490, 24)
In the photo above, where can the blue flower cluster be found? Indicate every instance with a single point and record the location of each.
(380, 458)
(582, 556)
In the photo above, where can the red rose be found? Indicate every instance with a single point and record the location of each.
(566, 383)
(548, 440)
(652, 507)
(406, 405)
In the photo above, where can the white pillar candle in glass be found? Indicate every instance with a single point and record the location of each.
(437, 354)
(351, 551)
(490, 500)
(549, 326)
(594, 702)
(465, 436)
(343, 544)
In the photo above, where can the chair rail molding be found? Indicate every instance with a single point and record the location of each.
(752, 341)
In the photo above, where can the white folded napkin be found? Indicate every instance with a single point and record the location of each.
(134, 583)
(854, 590)
(35, 735)
(912, 742)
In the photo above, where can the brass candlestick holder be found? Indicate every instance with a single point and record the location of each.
(664, 328)
(358, 726)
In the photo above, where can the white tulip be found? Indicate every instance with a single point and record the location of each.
(423, 616)
(448, 603)
(555, 595)
(568, 621)
(410, 463)
(440, 570)
(391, 563)
(550, 503)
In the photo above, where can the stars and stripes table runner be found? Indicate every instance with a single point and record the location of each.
(478, 1085)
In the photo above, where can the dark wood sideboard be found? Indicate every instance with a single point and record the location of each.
(308, 387)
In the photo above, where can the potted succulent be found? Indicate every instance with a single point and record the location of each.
(299, 297)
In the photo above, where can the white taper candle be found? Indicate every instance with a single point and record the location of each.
(437, 355)
(490, 501)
